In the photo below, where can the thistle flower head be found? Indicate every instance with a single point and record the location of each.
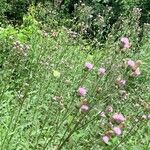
(84, 107)
(117, 130)
(105, 139)
(125, 42)
(136, 73)
(82, 91)
(131, 63)
(118, 117)
(89, 66)
(102, 71)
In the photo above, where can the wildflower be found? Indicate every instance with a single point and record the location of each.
(102, 71)
(84, 108)
(148, 116)
(120, 82)
(109, 109)
(134, 65)
(117, 130)
(105, 139)
(136, 73)
(82, 91)
(125, 42)
(88, 66)
(131, 63)
(118, 117)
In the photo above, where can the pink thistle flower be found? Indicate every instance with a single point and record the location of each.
(109, 109)
(125, 42)
(88, 66)
(105, 139)
(82, 91)
(118, 117)
(131, 63)
(136, 73)
(102, 71)
(84, 108)
(117, 130)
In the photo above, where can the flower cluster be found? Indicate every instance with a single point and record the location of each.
(135, 67)
(117, 123)
(82, 91)
(88, 66)
(116, 120)
(118, 117)
(124, 43)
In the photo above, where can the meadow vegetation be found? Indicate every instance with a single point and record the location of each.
(75, 75)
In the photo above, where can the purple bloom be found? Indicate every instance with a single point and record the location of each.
(125, 42)
(102, 71)
(117, 130)
(105, 139)
(118, 117)
(131, 63)
(84, 108)
(89, 66)
(136, 73)
(82, 91)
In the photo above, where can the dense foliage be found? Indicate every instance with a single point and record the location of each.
(74, 75)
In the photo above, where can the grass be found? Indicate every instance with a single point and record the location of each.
(40, 108)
